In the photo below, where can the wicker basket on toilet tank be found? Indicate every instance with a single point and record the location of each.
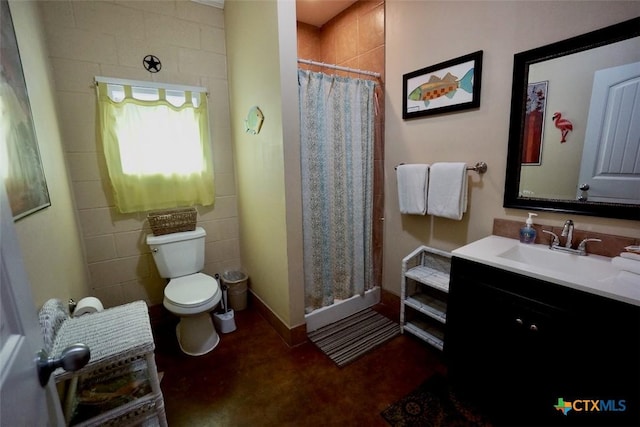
(172, 220)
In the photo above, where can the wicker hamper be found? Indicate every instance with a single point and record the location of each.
(172, 221)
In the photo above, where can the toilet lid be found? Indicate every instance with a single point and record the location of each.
(192, 290)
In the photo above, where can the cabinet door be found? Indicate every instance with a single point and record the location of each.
(497, 338)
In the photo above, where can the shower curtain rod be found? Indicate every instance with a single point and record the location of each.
(338, 67)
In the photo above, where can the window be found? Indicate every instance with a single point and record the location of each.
(156, 144)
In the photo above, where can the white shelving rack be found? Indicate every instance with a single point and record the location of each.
(424, 292)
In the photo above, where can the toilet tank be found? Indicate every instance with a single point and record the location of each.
(178, 254)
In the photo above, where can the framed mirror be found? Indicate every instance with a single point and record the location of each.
(574, 130)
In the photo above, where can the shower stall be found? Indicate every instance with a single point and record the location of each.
(337, 121)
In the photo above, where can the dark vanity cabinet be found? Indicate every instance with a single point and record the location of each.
(518, 347)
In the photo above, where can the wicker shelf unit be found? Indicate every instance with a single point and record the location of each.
(424, 292)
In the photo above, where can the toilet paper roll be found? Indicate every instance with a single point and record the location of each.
(88, 305)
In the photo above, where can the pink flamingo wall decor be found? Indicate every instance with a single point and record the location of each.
(563, 124)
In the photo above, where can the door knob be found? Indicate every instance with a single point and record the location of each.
(72, 358)
(584, 195)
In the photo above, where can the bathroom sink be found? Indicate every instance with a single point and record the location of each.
(592, 273)
(591, 267)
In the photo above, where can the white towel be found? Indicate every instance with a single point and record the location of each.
(626, 264)
(447, 190)
(413, 181)
(630, 255)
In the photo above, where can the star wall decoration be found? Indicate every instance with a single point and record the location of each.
(152, 63)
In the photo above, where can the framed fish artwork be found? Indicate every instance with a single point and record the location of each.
(452, 85)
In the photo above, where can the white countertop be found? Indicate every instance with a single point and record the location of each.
(592, 273)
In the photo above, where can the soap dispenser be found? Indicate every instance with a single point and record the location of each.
(528, 233)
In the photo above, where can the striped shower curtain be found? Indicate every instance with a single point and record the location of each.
(337, 134)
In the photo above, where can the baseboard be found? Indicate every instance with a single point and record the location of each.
(389, 305)
(292, 337)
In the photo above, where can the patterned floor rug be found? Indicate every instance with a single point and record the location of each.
(433, 404)
(348, 339)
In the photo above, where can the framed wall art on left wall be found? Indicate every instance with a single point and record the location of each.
(20, 161)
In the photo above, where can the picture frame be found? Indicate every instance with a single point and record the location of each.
(24, 178)
(453, 85)
(534, 117)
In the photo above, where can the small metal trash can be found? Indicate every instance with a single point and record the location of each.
(236, 282)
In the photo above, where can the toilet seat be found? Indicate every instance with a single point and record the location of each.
(192, 294)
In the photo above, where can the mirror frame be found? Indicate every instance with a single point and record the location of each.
(521, 62)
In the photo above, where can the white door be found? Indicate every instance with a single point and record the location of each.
(610, 168)
(23, 402)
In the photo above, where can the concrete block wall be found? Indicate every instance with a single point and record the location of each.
(88, 39)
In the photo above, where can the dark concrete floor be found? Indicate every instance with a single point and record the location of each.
(253, 378)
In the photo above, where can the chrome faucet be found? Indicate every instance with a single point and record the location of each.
(567, 231)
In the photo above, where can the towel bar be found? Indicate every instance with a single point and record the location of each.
(480, 167)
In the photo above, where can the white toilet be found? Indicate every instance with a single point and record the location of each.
(191, 295)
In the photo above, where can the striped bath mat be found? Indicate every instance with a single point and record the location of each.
(348, 339)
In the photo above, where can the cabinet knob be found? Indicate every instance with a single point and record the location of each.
(533, 328)
(519, 321)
